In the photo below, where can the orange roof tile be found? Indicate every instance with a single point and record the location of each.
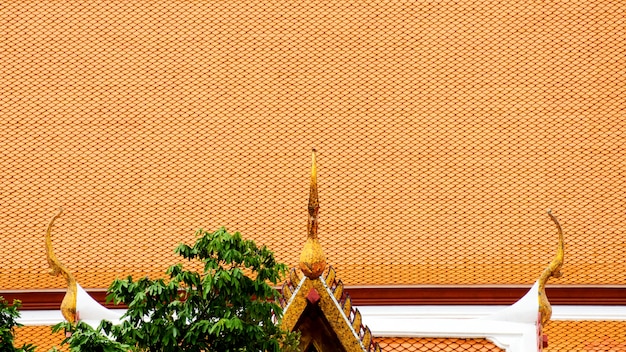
(588, 336)
(39, 336)
(445, 129)
(416, 344)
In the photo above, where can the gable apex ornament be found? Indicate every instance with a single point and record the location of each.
(316, 304)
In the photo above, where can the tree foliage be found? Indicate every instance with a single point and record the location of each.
(8, 323)
(229, 306)
(86, 338)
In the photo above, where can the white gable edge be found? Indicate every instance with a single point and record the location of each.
(372, 314)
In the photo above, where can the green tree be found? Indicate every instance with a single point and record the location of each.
(230, 305)
(8, 323)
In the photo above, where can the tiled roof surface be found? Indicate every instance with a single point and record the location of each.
(591, 336)
(445, 129)
(415, 344)
(40, 336)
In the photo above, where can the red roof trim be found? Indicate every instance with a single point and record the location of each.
(484, 295)
(49, 299)
(395, 295)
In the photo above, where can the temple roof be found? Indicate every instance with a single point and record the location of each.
(446, 129)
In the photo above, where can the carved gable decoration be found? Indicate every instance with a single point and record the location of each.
(323, 313)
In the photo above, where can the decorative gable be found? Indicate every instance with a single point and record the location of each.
(322, 311)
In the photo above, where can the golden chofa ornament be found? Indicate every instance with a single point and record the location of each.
(552, 270)
(68, 305)
(312, 259)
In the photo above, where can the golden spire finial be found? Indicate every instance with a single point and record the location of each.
(68, 305)
(312, 259)
(552, 270)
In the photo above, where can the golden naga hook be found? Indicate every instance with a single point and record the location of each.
(68, 305)
(552, 270)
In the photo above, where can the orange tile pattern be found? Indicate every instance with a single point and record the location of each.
(416, 344)
(588, 336)
(445, 129)
(39, 336)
